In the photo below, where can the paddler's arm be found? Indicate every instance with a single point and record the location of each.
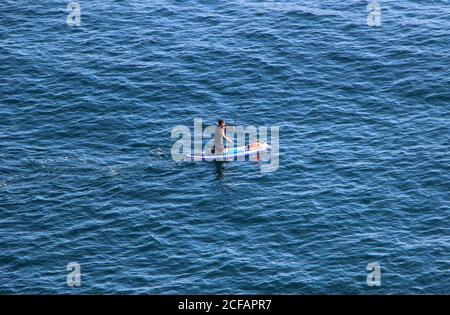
(231, 127)
(227, 138)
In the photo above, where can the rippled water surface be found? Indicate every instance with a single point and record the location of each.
(86, 173)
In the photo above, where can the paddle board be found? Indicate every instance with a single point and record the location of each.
(231, 153)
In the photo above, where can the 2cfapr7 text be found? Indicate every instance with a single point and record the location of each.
(225, 305)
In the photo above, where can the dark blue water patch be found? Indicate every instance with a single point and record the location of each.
(86, 173)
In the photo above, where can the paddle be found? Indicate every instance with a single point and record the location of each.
(235, 116)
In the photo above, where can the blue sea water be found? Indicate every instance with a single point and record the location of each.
(86, 173)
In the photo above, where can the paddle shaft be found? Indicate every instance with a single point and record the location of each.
(235, 116)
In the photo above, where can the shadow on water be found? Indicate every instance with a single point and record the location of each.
(220, 167)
